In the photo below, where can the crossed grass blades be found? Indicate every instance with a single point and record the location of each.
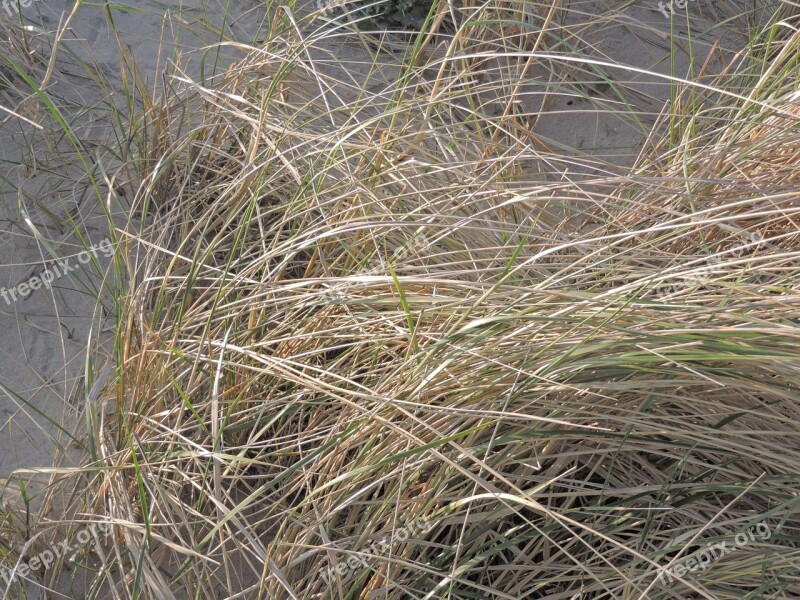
(353, 312)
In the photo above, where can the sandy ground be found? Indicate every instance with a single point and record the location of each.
(42, 359)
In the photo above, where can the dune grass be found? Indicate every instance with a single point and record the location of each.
(351, 308)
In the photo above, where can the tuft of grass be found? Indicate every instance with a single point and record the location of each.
(349, 309)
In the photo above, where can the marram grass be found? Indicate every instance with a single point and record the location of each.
(349, 315)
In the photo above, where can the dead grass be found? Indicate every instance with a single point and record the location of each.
(353, 313)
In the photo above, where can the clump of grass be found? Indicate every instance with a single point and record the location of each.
(352, 314)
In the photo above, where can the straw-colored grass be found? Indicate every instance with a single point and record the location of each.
(351, 311)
